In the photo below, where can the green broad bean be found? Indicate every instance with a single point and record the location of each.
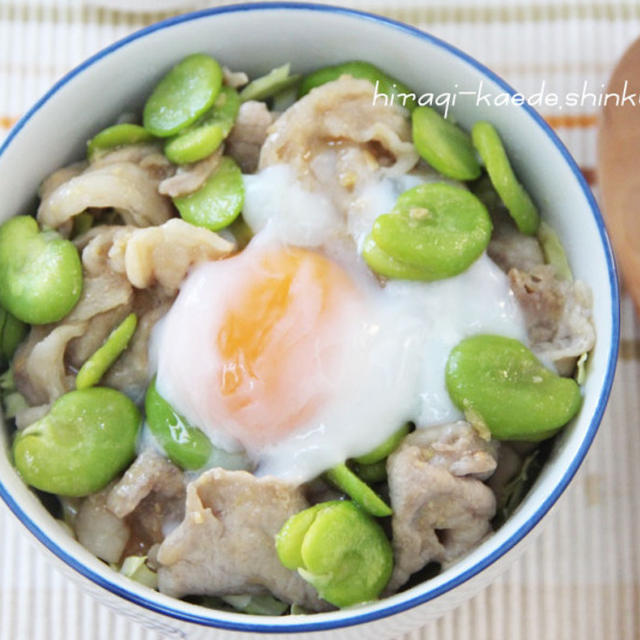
(97, 365)
(385, 265)
(277, 80)
(445, 146)
(12, 333)
(488, 144)
(385, 448)
(371, 473)
(554, 253)
(187, 446)
(206, 135)
(290, 538)
(218, 202)
(225, 109)
(436, 228)
(40, 272)
(343, 478)
(183, 95)
(507, 386)
(117, 135)
(85, 440)
(194, 144)
(386, 86)
(339, 549)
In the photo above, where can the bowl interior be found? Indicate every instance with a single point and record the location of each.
(255, 38)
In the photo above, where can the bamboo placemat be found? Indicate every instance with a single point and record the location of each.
(580, 579)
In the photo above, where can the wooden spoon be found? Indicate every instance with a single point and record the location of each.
(619, 168)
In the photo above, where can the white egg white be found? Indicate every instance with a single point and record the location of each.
(392, 367)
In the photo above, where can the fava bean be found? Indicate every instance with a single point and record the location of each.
(194, 144)
(117, 136)
(371, 473)
(554, 253)
(343, 478)
(385, 265)
(435, 231)
(339, 549)
(386, 85)
(40, 272)
(276, 80)
(205, 136)
(85, 440)
(97, 365)
(186, 446)
(290, 538)
(218, 202)
(12, 332)
(183, 95)
(487, 141)
(507, 386)
(385, 448)
(446, 147)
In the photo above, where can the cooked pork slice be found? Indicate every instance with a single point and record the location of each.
(191, 177)
(234, 79)
(27, 416)
(123, 186)
(101, 293)
(99, 530)
(38, 366)
(148, 156)
(558, 314)
(130, 372)
(149, 472)
(337, 118)
(126, 270)
(164, 254)
(53, 181)
(41, 362)
(509, 248)
(160, 255)
(226, 543)
(248, 134)
(441, 507)
(150, 499)
(126, 180)
(80, 349)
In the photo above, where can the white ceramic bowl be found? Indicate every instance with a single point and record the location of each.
(255, 38)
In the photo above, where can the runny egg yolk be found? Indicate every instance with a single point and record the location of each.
(280, 341)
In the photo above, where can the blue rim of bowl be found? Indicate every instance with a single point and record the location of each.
(357, 617)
